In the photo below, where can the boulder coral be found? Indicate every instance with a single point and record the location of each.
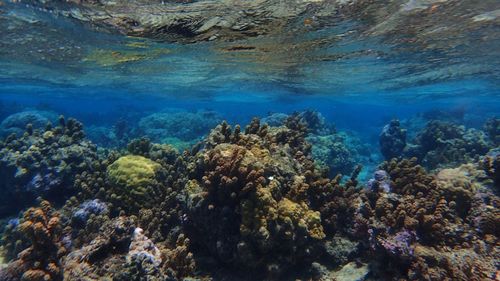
(392, 140)
(132, 178)
(17, 123)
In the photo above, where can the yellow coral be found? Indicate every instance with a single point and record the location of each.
(256, 212)
(300, 215)
(133, 171)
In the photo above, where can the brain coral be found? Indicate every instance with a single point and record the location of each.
(131, 178)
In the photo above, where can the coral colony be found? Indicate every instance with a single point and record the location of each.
(250, 200)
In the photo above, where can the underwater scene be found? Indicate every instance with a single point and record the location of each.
(233, 140)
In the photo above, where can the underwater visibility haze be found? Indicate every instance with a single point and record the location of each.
(235, 140)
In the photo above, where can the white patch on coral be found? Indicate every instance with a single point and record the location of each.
(143, 248)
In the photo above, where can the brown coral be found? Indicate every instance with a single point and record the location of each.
(40, 261)
(246, 200)
(447, 212)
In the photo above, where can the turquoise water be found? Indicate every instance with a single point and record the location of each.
(419, 62)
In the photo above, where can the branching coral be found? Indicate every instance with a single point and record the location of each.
(246, 200)
(43, 163)
(41, 260)
(424, 213)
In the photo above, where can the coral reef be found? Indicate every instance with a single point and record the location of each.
(441, 144)
(254, 200)
(43, 163)
(425, 221)
(184, 126)
(392, 140)
(16, 123)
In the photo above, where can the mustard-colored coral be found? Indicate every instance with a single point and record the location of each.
(132, 179)
(133, 171)
(257, 211)
(300, 215)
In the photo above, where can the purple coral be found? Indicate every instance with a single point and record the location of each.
(380, 181)
(43, 183)
(95, 207)
(399, 245)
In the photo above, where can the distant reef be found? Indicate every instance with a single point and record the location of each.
(247, 203)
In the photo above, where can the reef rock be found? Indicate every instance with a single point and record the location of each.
(392, 140)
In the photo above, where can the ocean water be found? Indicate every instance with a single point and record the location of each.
(374, 155)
